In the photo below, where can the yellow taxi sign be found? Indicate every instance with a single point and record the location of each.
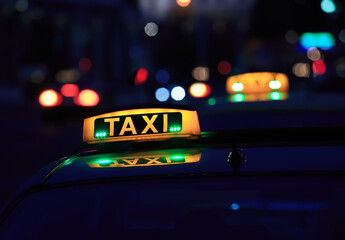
(152, 158)
(141, 124)
(257, 82)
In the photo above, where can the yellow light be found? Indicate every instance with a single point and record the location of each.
(199, 90)
(258, 82)
(183, 3)
(124, 125)
(87, 98)
(49, 98)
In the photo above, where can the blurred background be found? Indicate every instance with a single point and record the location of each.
(241, 63)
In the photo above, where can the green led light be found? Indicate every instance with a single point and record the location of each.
(238, 97)
(105, 161)
(275, 95)
(274, 84)
(177, 158)
(175, 129)
(101, 134)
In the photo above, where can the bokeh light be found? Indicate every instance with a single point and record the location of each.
(151, 29)
(342, 35)
(178, 93)
(67, 76)
(238, 97)
(199, 90)
(235, 206)
(49, 98)
(323, 40)
(313, 54)
(21, 5)
(69, 90)
(37, 76)
(274, 84)
(340, 68)
(162, 76)
(224, 67)
(201, 73)
(319, 67)
(275, 95)
(237, 87)
(85, 64)
(87, 98)
(183, 3)
(211, 101)
(141, 76)
(291, 36)
(301, 70)
(162, 94)
(328, 6)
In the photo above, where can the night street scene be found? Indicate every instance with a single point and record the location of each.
(172, 119)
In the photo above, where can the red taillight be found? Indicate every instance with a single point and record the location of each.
(69, 90)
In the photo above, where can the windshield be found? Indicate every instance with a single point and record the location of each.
(293, 207)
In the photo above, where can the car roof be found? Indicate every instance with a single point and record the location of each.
(278, 150)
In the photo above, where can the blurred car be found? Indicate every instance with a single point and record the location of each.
(150, 173)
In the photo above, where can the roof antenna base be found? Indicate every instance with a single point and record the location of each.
(236, 158)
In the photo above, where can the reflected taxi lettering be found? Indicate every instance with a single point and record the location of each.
(140, 161)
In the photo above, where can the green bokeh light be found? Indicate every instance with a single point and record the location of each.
(275, 95)
(328, 6)
(238, 97)
(211, 101)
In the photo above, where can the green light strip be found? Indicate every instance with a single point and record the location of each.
(175, 129)
(101, 135)
(177, 157)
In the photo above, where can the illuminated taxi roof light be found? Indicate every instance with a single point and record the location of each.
(238, 97)
(274, 84)
(275, 95)
(237, 87)
(257, 82)
(142, 124)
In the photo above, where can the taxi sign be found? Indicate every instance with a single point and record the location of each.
(141, 124)
(257, 82)
(152, 158)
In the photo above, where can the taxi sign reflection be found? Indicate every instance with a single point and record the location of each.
(153, 158)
